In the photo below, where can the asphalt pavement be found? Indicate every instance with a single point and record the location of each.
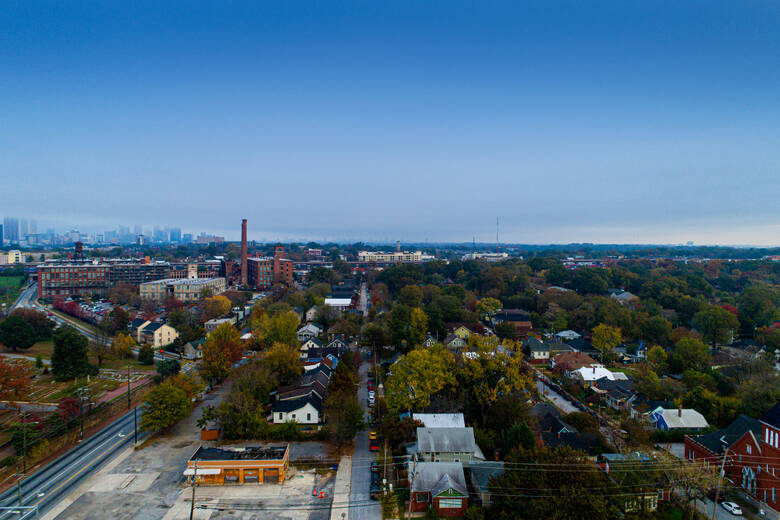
(361, 506)
(44, 488)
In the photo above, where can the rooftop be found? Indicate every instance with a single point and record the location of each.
(182, 281)
(269, 452)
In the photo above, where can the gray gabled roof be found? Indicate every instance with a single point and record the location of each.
(448, 440)
(437, 477)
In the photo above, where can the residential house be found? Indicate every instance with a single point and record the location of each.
(308, 345)
(591, 374)
(479, 475)
(193, 349)
(441, 485)
(665, 419)
(464, 330)
(311, 314)
(440, 420)
(135, 324)
(157, 335)
(644, 497)
(588, 442)
(621, 296)
(567, 335)
(538, 351)
(454, 342)
(216, 322)
(520, 319)
(571, 361)
(447, 445)
(584, 346)
(303, 410)
(308, 331)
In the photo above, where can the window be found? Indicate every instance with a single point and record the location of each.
(450, 503)
(281, 416)
(308, 417)
(747, 449)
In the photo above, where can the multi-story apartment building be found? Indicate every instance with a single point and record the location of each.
(185, 289)
(68, 280)
(395, 257)
(266, 271)
(138, 273)
(13, 256)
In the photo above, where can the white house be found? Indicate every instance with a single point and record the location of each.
(568, 335)
(310, 330)
(340, 304)
(306, 410)
(595, 372)
(680, 418)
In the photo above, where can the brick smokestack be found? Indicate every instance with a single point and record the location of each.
(243, 254)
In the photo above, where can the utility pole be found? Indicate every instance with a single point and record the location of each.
(135, 424)
(24, 443)
(128, 386)
(194, 478)
(411, 485)
(717, 487)
(19, 485)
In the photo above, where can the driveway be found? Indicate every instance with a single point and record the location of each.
(361, 506)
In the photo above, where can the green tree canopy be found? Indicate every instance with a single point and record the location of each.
(69, 358)
(16, 333)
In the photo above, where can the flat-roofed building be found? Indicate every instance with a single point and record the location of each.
(395, 257)
(69, 280)
(254, 465)
(263, 272)
(185, 289)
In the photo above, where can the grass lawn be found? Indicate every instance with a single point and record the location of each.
(14, 286)
(42, 348)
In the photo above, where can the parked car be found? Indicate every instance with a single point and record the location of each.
(373, 445)
(375, 491)
(372, 436)
(732, 508)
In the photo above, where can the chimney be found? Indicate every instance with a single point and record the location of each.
(679, 411)
(243, 253)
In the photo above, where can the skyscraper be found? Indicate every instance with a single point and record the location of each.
(175, 235)
(11, 229)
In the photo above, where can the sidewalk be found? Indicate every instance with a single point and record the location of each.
(339, 509)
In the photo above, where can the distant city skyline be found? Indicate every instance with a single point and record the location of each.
(605, 122)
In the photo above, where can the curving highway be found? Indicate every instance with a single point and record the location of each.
(50, 484)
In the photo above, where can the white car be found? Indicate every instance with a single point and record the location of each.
(732, 508)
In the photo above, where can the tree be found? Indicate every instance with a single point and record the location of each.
(284, 362)
(689, 354)
(119, 319)
(491, 374)
(145, 355)
(506, 330)
(344, 416)
(570, 490)
(656, 357)
(101, 350)
(280, 328)
(226, 338)
(519, 435)
(418, 327)
(122, 345)
(716, 324)
(411, 296)
(41, 324)
(656, 330)
(16, 333)
(418, 375)
(398, 324)
(374, 335)
(590, 280)
(488, 307)
(606, 338)
(214, 307)
(168, 367)
(15, 382)
(69, 358)
(165, 406)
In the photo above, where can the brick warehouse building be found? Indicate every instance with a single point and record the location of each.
(241, 466)
(69, 280)
(264, 272)
(753, 457)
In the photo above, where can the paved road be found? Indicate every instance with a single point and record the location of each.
(48, 485)
(26, 298)
(361, 507)
(558, 400)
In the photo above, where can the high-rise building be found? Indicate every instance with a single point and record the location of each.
(11, 229)
(1, 236)
(175, 235)
(33, 227)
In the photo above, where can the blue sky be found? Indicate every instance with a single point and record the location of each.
(570, 121)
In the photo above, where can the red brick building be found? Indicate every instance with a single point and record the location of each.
(68, 280)
(753, 456)
(438, 484)
(264, 272)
